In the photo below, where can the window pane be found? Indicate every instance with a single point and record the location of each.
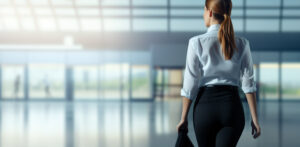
(150, 12)
(90, 24)
(158, 82)
(238, 24)
(115, 2)
(88, 12)
(141, 81)
(263, 3)
(68, 24)
(151, 2)
(290, 80)
(42, 11)
(20, 2)
(87, 2)
(255, 74)
(269, 80)
(28, 23)
(150, 24)
(4, 2)
(113, 24)
(7, 11)
(110, 81)
(12, 81)
(125, 80)
(253, 12)
(237, 3)
(291, 3)
(39, 2)
(287, 12)
(47, 24)
(46, 81)
(86, 82)
(290, 25)
(187, 12)
(187, 25)
(115, 12)
(173, 82)
(24, 11)
(171, 91)
(187, 3)
(237, 12)
(62, 2)
(65, 11)
(10, 23)
(159, 75)
(262, 25)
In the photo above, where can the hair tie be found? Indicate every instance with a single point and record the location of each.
(226, 15)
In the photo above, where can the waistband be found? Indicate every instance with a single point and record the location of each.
(217, 93)
(212, 86)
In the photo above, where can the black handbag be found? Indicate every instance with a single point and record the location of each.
(183, 139)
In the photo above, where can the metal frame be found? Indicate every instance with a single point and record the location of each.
(168, 16)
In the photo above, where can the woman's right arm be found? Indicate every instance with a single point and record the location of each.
(251, 98)
(249, 87)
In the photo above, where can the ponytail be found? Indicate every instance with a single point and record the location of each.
(226, 37)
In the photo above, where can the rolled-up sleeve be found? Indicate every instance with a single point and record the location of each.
(191, 72)
(248, 83)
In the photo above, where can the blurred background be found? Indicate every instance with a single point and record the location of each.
(87, 73)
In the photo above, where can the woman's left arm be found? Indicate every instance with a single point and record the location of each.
(186, 103)
(191, 81)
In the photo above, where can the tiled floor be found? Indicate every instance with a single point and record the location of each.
(128, 124)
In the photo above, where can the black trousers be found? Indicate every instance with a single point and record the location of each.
(218, 116)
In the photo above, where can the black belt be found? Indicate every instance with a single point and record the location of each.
(232, 87)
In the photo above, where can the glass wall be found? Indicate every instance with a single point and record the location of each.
(125, 84)
(158, 87)
(290, 80)
(86, 83)
(105, 81)
(12, 81)
(46, 81)
(168, 82)
(122, 80)
(173, 82)
(110, 80)
(141, 85)
(269, 81)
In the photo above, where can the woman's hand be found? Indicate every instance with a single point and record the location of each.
(183, 124)
(255, 129)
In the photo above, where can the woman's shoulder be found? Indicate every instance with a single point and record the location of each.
(201, 37)
(241, 39)
(243, 44)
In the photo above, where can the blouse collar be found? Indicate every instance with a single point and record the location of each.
(214, 27)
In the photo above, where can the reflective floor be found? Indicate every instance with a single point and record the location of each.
(128, 124)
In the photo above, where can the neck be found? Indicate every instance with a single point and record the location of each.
(213, 22)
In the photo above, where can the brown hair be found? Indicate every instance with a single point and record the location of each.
(222, 11)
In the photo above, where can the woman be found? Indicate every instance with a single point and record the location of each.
(216, 63)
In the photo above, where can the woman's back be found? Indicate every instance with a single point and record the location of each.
(206, 62)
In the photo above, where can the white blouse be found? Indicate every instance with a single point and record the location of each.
(205, 64)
